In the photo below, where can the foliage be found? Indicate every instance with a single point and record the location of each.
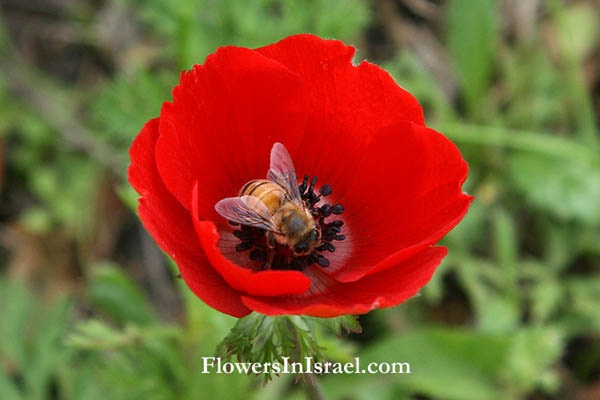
(261, 339)
(503, 317)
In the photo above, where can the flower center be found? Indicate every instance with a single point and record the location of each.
(278, 256)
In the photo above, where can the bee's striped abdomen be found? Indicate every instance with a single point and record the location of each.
(266, 191)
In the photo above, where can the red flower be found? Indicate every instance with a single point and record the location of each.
(352, 126)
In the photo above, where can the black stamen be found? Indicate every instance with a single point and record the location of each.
(325, 210)
(325, 190)
(334, 229)
(243, 246)
(322, 261)
(241, 235)
(337, 209)
(313, 181)
(302, 186)
(326, 246)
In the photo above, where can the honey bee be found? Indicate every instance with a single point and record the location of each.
(275, 205)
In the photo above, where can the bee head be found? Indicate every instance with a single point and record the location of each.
(295, 224)
(299, 229)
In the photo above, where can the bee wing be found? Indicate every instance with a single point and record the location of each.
(246, 210)
(283, 173)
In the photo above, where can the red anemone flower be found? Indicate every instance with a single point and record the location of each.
(397, 182)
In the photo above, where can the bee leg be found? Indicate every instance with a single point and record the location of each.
(270, 240)
(270, 258)
(270, 250)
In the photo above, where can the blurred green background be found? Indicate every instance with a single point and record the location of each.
(89, 307)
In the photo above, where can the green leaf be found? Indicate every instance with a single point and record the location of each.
(350, 323)
(133, 362)
(95, 334)
(196, 28)
(338, 325)
(36, 219)
(444, 363)
(584, 296)
(472, 33)
(8, 389)
(546, 296)
(113, 292)
(536, 143)
(16, 306)
(48, 351)
(31, 348)
(574, 25)
(495, 311)
(569, 190)
(533, 352)
(506, 248)
(578, 29)
(270, 339)
(125, 104)
(469, 233)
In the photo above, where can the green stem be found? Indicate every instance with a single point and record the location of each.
(311, 384)
(546, 144)
(313, 388)
(576, 90)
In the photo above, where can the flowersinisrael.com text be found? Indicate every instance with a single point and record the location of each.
(216, 365)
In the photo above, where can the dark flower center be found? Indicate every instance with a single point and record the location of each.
(254, 239)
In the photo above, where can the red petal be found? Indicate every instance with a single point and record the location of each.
(263, 283)
(224, 119)
(171, 226)
(347, 104)
(405, 195)
(330, 298)
(364, 97)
